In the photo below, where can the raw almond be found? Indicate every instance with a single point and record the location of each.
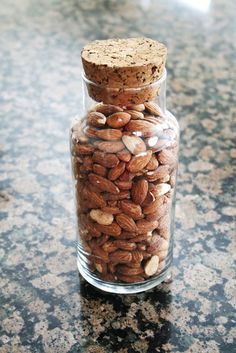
(96, 198)
(120, 256)
(151, 266)
(130, 279)
(153, 206)
(107, 109)
(149, 199)
(111, 210)
(100, 266)
(99, 169)
(129, 271)
(156, 143)
(131, 209)
(99, 241)
(137, 256)
(146, 128)
(138, 162)
(90, 132)
(107, 160)
(135, 114)
(162, 255)
(116, 172)
(109, 134)
(125, 245)
(161, 189)
(156, 215)
(137, 107)
(164, 221)
(118, 119)
(161, 172)
(101, 217)
(126, 222)
(139, 191)
(96, 119)
(123, 185)
(83, 149)
(134, 144)
(124, 155)
(167, 157)
(100, 253)
(153, 108)
(121, 196)
(126, 176)
(165, 179)
(103, 184)
(109, 246)
(110, 147)
(112, 229)
(145, 226)
(152, 164)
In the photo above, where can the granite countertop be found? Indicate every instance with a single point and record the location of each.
(45, 306)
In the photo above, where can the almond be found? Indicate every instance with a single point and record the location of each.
(134, 144)
(96, 198)
(111, 210)
(99, 241)
(126, 176)
(153, 206)
(156, 143)
(135, 114)
(145, 128)
(130, 279)
(164, 232)
(145, 226)
(131, 209)
(149, 199)
(129, 271)
(137, 107)
(151, 266)
(103, 184)
(107, 109)
(100, 266)
(109, 134)
(107, 160)
(121, 196)
(137, 256)
(99, 169)
(111, 229)
(109, 246)
(152, 164)
(123, 185)
(124, 155)
(167, 157)
(138, 162)
(156, 215)
(96, 119)
(127, 235)
(162, 255)
(161, 189)
(153, 108)
(154, 244)
(110, 147)
(159, 173)
(125, 245)
(165, 179)
(118, 119)
(172, 181)
(120, 256)
(164, 222)
(101, 217)
(83, 149)
(116, 172)
(100, 253)
(139, 191)
(126, 222)
(90, 132)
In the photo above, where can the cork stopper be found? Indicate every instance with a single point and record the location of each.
(121, 64)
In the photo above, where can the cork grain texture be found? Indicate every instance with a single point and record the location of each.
(123, 63)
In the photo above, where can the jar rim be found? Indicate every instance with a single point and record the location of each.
(153, 84)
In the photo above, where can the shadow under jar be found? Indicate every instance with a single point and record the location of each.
(124, 152)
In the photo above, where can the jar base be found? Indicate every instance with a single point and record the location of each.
(123, 288)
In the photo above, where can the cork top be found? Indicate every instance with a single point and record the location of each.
(123, 63)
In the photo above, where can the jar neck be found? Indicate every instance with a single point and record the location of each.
(94, 93)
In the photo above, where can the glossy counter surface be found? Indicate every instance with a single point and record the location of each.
(45, 306)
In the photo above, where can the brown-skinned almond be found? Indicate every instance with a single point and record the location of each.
(139, 191)
(139, 162)
(125, 222)
(118, 119)
(103, 184)
(109, 134)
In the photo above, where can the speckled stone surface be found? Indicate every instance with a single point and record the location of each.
(45, 306)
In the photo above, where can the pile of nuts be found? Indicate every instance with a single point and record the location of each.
(124, 161)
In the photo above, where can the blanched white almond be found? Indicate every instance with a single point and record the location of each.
(151, 266)
(134, 144)
(101, 217)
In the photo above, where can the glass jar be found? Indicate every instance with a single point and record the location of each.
(124, 163)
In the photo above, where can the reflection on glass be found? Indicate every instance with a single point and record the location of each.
(201, 5)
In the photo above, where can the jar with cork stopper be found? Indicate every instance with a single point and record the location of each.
(124, 153)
